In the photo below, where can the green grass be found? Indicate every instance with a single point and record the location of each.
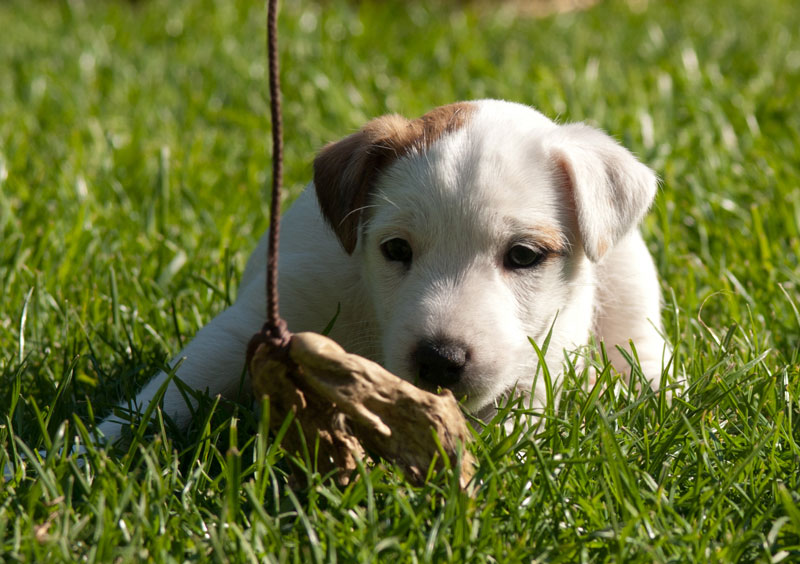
(133, 158)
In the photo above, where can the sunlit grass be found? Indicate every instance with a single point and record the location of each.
(133, 160)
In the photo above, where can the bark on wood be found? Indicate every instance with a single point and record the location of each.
(349, 401)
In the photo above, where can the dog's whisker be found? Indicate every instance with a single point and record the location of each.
(382, 195)
(355, 211)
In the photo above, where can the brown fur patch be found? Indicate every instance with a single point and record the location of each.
(551, 239)
(345, 171)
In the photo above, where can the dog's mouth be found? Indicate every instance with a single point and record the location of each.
(459, 390)
(472, 398)
(478, 400)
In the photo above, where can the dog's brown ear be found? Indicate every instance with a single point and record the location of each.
(611, 190)
(345, 171)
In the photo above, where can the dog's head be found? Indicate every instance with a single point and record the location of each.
(477, 226)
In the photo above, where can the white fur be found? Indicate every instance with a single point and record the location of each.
(508, 175)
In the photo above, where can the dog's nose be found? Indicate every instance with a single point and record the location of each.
(441, 362)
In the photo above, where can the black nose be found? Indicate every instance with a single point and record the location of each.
(441, 362)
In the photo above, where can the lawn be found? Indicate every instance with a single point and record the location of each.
(134, 157)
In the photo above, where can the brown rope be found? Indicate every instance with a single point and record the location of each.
(275, 327)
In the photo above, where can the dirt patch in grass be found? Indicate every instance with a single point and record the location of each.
(536, 8)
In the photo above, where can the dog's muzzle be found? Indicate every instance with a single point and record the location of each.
(441, 362)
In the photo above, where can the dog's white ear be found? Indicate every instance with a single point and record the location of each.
(610, 188)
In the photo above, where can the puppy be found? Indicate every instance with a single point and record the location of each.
(446, 243)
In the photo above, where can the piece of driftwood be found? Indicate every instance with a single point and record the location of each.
(348, 401)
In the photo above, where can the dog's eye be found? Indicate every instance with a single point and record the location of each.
(520, 256)
(397, 250)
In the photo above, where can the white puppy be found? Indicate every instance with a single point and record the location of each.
(446, 242)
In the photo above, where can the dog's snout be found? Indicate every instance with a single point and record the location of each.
(441, 362)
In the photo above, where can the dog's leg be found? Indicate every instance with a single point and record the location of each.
(212, 362)
(628, 307)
